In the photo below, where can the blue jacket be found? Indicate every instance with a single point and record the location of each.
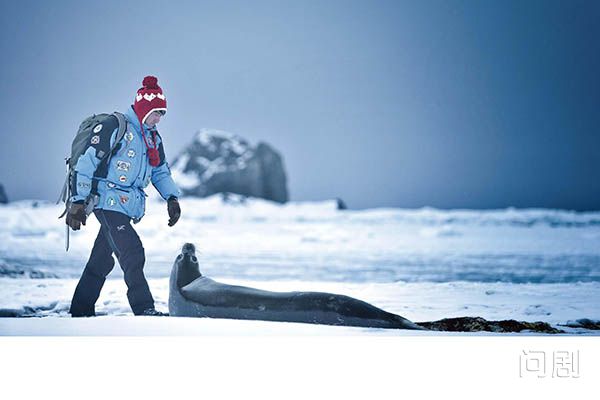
(121, 178)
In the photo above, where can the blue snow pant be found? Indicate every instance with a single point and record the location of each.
(116, 236)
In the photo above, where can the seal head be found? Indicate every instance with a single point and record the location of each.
(188, 248)
(187, 265)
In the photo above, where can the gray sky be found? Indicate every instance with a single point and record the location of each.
(450, 104)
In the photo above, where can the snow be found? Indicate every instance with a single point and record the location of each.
(205, 135)
(553, 303)
(423, 264)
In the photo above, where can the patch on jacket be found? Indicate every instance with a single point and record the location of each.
(123, 165)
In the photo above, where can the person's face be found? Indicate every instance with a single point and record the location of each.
(154, 118)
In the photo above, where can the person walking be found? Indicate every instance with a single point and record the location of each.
(115, 185)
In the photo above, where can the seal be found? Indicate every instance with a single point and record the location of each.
(193, 295)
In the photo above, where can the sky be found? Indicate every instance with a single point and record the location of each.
(446, 104)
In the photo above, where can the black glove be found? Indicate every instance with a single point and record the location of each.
(76, 215)
(174, 210)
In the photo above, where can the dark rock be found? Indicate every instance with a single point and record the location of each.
(11, 312)
(340, 204)
(9, 271)
(234, 199)
(478, 324)
(219, 162)
(28, 311)
(584, 323)
(3, 197)
(17, 312)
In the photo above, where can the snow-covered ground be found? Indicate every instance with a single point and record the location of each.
(424, 264)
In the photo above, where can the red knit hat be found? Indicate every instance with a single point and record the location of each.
(149, 98)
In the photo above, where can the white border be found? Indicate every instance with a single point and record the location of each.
(287, 367)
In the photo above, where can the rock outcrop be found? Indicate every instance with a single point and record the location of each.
(220, 162)
(478, 324)
(3, 197)
(585, 323)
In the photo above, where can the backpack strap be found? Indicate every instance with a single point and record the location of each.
(122, 128)
(65, 192)
(65, 189)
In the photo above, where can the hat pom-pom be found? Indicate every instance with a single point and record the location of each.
(150, 82)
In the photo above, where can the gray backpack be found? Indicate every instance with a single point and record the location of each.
(80, 144)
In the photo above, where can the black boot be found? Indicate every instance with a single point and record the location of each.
(81, 315)
(154, 313)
